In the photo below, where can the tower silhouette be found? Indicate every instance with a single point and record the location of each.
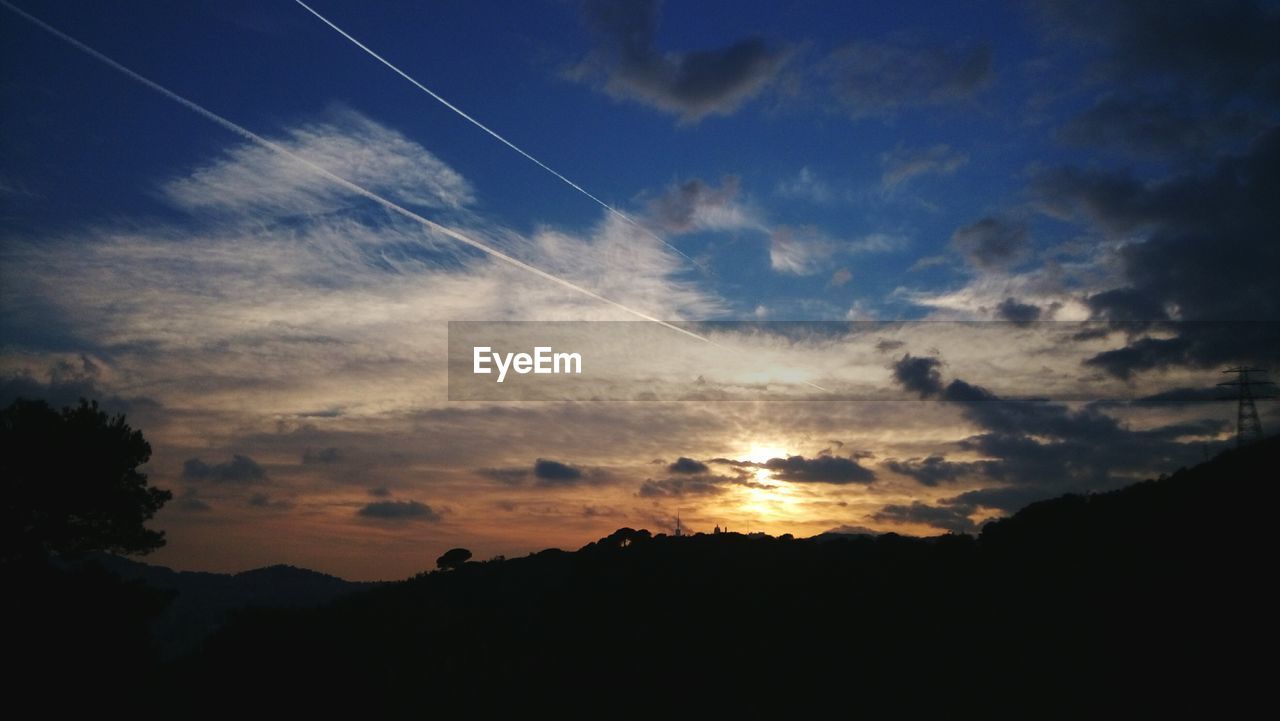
(1248, 426)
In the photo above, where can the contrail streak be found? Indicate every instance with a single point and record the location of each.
(617, 213)
(353, 187)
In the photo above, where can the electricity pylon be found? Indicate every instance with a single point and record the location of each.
(1248, 427)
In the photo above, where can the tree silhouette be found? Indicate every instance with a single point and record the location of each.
(71, 483)
(453, 558)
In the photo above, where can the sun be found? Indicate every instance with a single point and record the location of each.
(761, 453)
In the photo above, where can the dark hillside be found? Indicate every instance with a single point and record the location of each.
(1079, 603)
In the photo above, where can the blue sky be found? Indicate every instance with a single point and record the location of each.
(280, 338)
(79, 130)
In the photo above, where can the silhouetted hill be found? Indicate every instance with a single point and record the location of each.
(201, 602)
(1117, 604)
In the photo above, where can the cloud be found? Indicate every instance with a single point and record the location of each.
(840, 278)
(991, 243)
(249, 178)
(555, 473)
(928, 261)
(399, 511)
(1050, 447)
(546, 473)
(880, 78)
(952, 518)
(263, 500)
(322, 456)
(681, 487)
(823, 469)
(903, 164)
(805, 186)
(805, 250)
(67, 379)
(799, 251)
(1178, 84)
(920, 375)
(240, 469)
(935, 470)
(687, 466)
(1017, 313)
(694, 206)
(626, 64)
(1008, 499)
(193, 505)
(1157, 128)
(509, 476)
(1219, 49)
(1204, 256)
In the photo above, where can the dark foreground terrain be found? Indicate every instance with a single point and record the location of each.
(1127, 603)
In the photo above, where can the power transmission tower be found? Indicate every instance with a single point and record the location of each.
(1248, 427)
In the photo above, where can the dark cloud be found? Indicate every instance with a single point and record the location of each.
(1195, 85)
(947, 518)
(935, 470)
(66, 382)
(920, 375)
(1211, 48)
(678, 487)
(823, 469)
(903, 164)
(991, 243)
(240, 469)
(555, 473)
(885, 345)
(380, 491)
(601, 512)
(193, 505)
(626, 63)
(1018, 313)
(1157, 128)
(1009, 499)
(321, 456)
(1207, 259)
(1180, 83)
(545, 472)
(263, 500)
(881, 78)
(1046, 448)
(399, 511)
(326, 413)
(695, 205)
(687, 466)
(1184, 395)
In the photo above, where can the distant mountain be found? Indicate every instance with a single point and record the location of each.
(202, 602)
(1133, 602)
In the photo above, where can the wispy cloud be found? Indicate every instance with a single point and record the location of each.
(807, 250)
(902, 164)
(882, 77)
(252, 178)
(807, 186)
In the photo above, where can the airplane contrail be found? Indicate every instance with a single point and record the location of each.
(353, 187)
(617, 213)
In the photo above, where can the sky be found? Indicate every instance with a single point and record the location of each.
(941, 259)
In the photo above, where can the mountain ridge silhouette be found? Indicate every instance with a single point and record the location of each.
(1130, 599)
